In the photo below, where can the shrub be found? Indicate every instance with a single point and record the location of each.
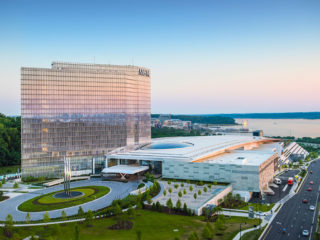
(80, 212)
(180, 194)
(176, 186)
(195, 196)
(169, 182)
(205, 189)
(184, 191)
(46, 217)
(63, 215)
(185, 208)
(89, 218)
(191, 188)
(178, 205)
(199, 192)
(209, 186)
(182, 185)
(164, 192)
(15, 185)
(28, 218)
(8, 226)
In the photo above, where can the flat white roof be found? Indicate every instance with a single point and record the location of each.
(125, 169)
(193, 148)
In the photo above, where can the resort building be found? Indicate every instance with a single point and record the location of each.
(81, 112)
(248, 163)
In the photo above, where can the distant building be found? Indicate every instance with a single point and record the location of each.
(164, 117)
(81, 112)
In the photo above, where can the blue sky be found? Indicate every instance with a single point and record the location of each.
(216, 56)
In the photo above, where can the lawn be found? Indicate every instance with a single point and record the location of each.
(253, 235)
(47, 202)
(153, 226)
(259, 207)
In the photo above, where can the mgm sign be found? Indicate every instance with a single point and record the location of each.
(144, 72)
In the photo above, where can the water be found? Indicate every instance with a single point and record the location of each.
(285, 127)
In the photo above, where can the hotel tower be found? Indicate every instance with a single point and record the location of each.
(81, 112)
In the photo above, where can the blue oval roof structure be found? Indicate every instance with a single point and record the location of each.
(167, 145)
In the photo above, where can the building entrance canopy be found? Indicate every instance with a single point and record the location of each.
(124, 170)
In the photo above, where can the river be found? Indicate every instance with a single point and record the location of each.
(285, 127)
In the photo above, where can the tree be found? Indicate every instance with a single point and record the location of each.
(190, 188)
(164, 192)
(199, 192)
(215, 183)
(1, 195)
(185, 208)
(178, 205)
(138, 234)
(169, 204)
(15, 185)
(209, 186)
(130, 212)
(207, 234)
(195, 196)
(205, 189)
(180, 194)
(63, 215)
(169, 182)
(182, 184)
(193, 236)
(176, 186)
(89, 218)
(149, 198)
(76, 232)
(0, 184)
(80, 212)
(28, 218)
(170, 191)
(8, 226)
(184, 191)
(116, 210)
(46, 217)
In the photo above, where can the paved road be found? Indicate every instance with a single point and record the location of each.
(280, 192)
(294, 215)
(118, 190)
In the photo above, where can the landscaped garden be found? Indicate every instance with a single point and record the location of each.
(48, 202)
(146, 224)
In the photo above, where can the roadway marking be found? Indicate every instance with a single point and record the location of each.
(314, 214)
(310, 233)
(285, 188)
(266, 234)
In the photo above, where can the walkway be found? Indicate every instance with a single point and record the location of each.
(118, 190)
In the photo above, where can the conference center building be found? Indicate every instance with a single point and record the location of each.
(81, 112)
(248, 163)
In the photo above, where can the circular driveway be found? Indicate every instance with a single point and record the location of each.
(118, 190)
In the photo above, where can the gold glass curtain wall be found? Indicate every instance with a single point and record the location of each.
(81, 111)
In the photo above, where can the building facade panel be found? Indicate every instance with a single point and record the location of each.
(81, 111)
(242, 177)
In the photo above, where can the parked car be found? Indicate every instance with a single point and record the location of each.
(312, 208)
(277, 181)
(311, 182)
(309, 189)
(304, 200)
(259, 213)
(311, 171)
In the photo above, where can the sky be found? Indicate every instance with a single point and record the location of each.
(217, 56)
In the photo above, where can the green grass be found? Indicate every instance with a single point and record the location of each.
(46, 202)
(48, 199)
(153, 226)
(9, 169)
(259, 207)
(253, 235)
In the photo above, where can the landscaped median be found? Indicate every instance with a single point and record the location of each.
(48, 202)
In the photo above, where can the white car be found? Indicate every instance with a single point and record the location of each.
(312, 208)
(305, 233)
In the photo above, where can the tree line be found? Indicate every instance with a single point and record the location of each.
(10, 137)
(203, 119)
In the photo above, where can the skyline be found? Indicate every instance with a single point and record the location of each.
(214, 57)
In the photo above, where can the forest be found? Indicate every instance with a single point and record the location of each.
(10, 146)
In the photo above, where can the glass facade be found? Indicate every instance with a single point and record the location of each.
(81, 112)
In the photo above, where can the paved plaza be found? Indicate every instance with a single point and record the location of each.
(187, 198)
(118, 190)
